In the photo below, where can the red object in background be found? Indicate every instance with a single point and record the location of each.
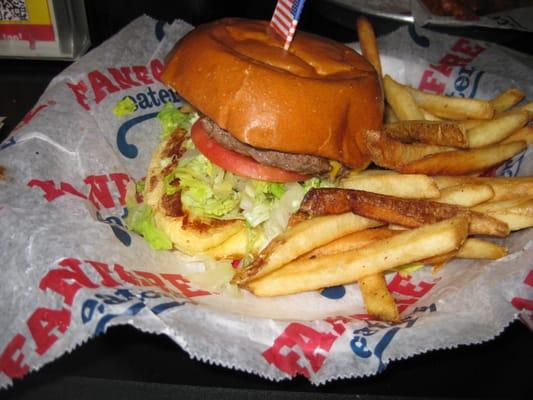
(31, 33)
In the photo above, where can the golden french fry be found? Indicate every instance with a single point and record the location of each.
(504, 188)
(350, 242)
(470, 123)
(367, 40)
(388, 115)
(394, 210)
(525, 134)
(496, 130)
(430, 117)
(463, 162)
(517, 213)
(526, 107)
(400, 100)
(379, 302)
(506, 100)
(466, 194)
(481, 249)
(405, 186)
(452, 107)
(300, 239)
(350, 266)
(430, 132)
(390, 153)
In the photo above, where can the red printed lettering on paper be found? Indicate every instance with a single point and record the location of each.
(182, 284)
(66, 281)
(102, 86)
(12, 358)
(126, 276)
(298, 347)
(80, 90)
(151, 279)
(44, 324)
(402, 285)
(105, 272)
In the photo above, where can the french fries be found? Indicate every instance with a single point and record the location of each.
(405, 186)
(506, 100)
(367, 40)
(452, 107)
(390, 153)
(516, 213)
(466, 195)
(463, 162)
(379, 302)
(496, 130)
(525, 134)
(481, 249)
(431, 132)
(504, 188)
(400, 100)
(395, 210)
(300, 239)
(424, 208)
(350, 266)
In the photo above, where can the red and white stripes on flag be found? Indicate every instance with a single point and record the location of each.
(285, 19)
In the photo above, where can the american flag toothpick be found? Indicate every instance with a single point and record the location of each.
(285, 19)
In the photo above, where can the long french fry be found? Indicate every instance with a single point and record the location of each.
(350, 266)
(463, 162)
(506, 100)
(405, 186)
(351, 242)
(394, 210)
(400, 100)
(496, 130)
(453, 107)
(430, 132)
(504, 188)
(390, 153)
(525, 134)
(379, 302)
(516, 213)
(481, 249)
(300, 239)
(430, 117)
(367, 40)
(467, 194)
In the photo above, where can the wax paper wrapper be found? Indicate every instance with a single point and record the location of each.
(70, 269)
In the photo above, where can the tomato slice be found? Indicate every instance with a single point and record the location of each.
(237, 163)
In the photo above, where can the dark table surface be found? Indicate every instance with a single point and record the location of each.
(126, 363)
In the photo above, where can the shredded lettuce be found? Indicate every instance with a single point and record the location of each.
(124, 107)
(140, 220)
(409, 268)
(257, 200)
(206, 189)
(171, 118)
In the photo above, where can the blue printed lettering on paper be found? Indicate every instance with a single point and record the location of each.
(145, 101)
(466, 82)
(8, 143)
(512, 166)
(102, 309)
(373, 339)
(117, 226)
(334, 292)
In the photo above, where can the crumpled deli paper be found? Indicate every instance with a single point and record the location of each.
(71, 270)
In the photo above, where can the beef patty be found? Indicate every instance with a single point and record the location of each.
(301, 163)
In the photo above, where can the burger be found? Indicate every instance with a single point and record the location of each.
(261, 126)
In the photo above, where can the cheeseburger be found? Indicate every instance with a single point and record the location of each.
(267, 124)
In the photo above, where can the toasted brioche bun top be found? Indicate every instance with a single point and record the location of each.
(316, 98)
